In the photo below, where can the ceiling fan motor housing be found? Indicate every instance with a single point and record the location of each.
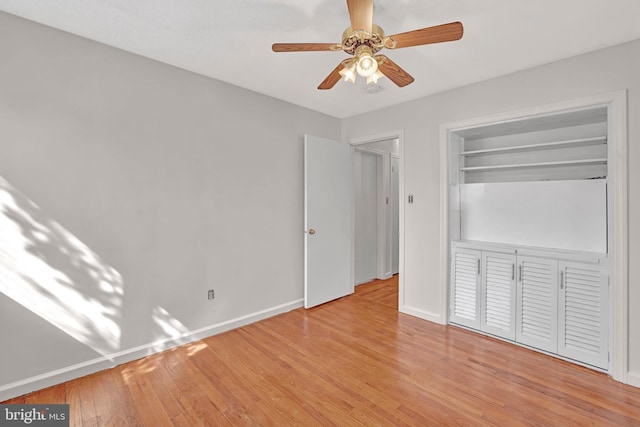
(352, 39)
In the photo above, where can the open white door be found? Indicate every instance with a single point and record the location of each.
(327, 220)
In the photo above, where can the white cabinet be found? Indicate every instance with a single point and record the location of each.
(465, 281)
(583, 313)
(552, 301)
(497, 296)
(537, 307)
(482, 291)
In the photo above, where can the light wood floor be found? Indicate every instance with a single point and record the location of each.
(354, 361)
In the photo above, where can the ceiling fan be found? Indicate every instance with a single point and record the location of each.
(364, 39)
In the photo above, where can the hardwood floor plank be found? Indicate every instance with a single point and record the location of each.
(355, 361)
(122, 410)
(72, 393)
(193, 385)
(153, 413)
(53, 395)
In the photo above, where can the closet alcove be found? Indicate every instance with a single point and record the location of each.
(528, 233)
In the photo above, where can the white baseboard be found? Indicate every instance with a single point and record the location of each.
(383, 277)
(633, 378)
(48, 379)
(422, 314)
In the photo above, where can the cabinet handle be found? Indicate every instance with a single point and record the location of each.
(478, 267)
(513, 271)
(520, 273)
(561, 279)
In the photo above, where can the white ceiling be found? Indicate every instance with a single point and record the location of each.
(230, 40)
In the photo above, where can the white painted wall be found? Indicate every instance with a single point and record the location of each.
(565, 214)
(594, 73)
(178, 182)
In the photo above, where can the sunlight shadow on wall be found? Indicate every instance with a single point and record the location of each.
(171, 331)
(168, 326)
(50, 272)
(174, 342)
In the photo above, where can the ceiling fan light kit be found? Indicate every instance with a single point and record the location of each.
(366, 65)
(349, 71)
(365, 41)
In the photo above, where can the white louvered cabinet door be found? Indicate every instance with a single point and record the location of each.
(465, 288)
(537, 304)
(583, 313)
(498, 295)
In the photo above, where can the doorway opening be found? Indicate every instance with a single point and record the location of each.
(378, 211)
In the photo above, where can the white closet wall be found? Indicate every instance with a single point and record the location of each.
(567, 214)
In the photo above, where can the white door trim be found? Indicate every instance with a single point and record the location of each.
(395, 199)
(616, 103)
(394, 134)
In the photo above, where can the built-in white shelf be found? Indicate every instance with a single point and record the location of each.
(582, 142)
(599, 161)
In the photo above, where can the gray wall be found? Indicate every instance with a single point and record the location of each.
(178, 182)
(595, 73)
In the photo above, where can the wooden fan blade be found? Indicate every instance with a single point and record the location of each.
(333, 78)
(438, 34)
(390, 69)
(302, 47)
(361, 14)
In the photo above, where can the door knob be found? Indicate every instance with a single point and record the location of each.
(312, 231)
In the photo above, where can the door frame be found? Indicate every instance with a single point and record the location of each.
(617, 209)
(399, 135)
(395, 195)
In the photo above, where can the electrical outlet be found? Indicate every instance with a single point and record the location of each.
(211, 294)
